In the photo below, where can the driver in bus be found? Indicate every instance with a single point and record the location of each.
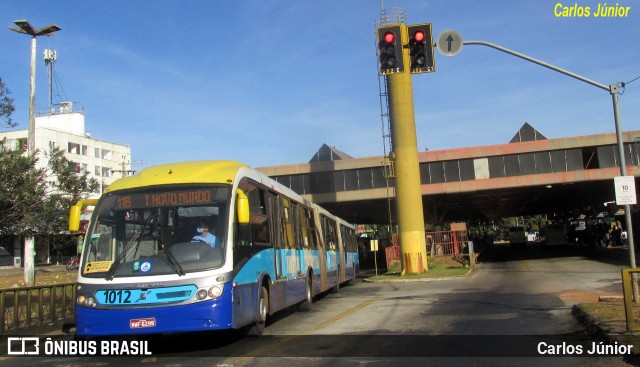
(205, 236)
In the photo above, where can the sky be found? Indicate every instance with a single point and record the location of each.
(268, 82)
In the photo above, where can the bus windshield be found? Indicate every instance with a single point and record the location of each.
(165, 230)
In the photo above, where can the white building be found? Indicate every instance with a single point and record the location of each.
(64, 128)
(105, 161)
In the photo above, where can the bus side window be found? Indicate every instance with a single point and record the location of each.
(255, 236)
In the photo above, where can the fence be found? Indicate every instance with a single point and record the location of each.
(36, 306)
(446, 243)
(630, 291)
(439, 243)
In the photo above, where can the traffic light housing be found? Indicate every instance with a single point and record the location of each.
(390, 50)
(421, 48)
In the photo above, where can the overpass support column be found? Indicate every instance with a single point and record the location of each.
(405, 155)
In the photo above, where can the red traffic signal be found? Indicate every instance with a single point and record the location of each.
(390, 50)
(419, 36)
(389, 37)
(421, 48)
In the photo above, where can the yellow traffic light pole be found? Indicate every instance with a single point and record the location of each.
(405, 155)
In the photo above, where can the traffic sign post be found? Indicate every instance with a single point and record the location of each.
(449, 42)
(625, 190)
(374, 249)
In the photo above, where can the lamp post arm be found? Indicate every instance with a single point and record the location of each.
(539, 62)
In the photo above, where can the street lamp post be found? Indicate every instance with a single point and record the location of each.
(25, 27)
(614, 91)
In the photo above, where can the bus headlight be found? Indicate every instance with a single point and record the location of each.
(201, 294)
(86, 301)
(215, 291)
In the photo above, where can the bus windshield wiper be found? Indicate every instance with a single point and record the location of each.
(135, 240)
(171, 259)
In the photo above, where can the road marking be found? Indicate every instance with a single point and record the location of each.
(282, 339)
(346, 313)
(525, 266)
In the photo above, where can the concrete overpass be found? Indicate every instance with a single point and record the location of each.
(530, 175)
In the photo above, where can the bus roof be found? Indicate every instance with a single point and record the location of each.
(182, 172)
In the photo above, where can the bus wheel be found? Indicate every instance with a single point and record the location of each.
(308, 296)
(263, 310)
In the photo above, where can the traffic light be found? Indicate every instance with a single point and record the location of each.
(421, 48)
(390, 50)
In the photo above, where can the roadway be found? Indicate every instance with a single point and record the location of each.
(497, 315)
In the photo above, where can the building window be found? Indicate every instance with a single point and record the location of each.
(98, 171)
(106, 154)
(84, 150)
(96, 152)
(73, 148)
(106, 172)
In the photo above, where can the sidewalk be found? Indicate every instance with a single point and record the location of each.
(11, 277)
(45, 268)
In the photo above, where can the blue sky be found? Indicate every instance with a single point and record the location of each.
(268, 82)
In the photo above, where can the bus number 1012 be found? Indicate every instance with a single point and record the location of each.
(117, 297)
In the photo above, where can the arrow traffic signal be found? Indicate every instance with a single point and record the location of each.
(390, 50)
(421, 48)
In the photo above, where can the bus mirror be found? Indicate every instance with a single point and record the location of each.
(74, 218)
(242, 207)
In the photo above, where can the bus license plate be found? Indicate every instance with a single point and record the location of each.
(142, 323)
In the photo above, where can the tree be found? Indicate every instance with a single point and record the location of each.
(35, 202)
(6, 107)
(21, 193)
(70, 186)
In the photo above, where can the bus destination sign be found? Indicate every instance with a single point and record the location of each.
(160, 199)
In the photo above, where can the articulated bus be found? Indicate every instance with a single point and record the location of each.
(149, 266)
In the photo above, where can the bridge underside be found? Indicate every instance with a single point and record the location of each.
(567, 176)
(486, 203)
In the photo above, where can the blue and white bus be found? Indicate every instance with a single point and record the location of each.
(145, 267)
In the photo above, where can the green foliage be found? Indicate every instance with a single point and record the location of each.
(71, 186)
(6, 107)
(498, 229)
(21, 193)
(29, 204)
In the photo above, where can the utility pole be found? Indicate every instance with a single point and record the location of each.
(125, 172)
(50, 61)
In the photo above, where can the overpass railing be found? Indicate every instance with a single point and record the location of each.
(22, 308)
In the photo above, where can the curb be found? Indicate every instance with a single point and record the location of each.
(367, 280)
(594, 329)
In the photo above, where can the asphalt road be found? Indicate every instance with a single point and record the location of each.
(515, 309)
